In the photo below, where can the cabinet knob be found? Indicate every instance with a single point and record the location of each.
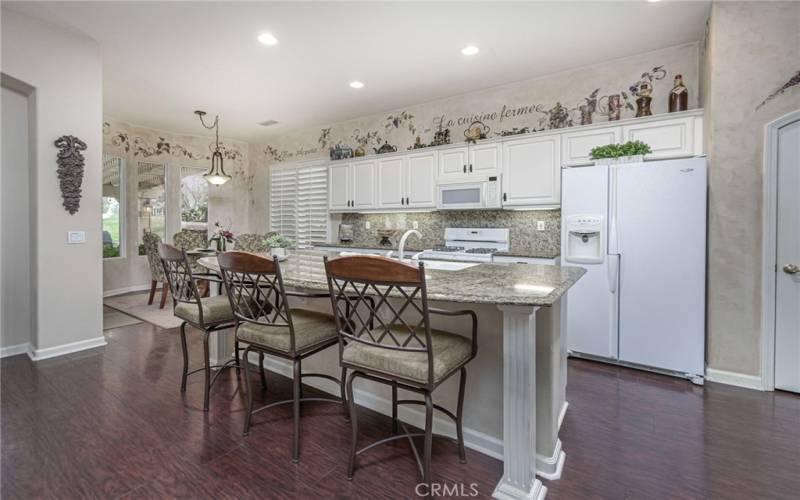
(470, 168)
(406, 200)
(505, 197)
(465, 169)
(402, 201)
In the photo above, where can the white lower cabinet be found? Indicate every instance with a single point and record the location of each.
(531, 171)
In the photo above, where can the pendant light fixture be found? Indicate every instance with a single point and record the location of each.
(216, 175)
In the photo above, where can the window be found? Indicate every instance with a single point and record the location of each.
(299, 203)
(113, 208)
(194, 199)
(151, 200)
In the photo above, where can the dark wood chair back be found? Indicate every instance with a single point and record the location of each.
(255, 288)
(178, 273)
(397, 291)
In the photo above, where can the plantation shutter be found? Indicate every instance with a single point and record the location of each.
(299, 203)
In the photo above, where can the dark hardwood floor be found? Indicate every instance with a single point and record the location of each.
(111, 423)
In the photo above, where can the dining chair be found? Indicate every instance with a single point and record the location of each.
(207, 314)
(269, 326)
(151, 241)
(394, 344)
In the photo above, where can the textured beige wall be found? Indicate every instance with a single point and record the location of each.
(230, 204)
(498, 107)
(753, 48)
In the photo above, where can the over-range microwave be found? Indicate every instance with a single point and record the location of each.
(469, 193)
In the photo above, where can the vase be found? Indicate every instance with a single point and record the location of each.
(278, 252)
(620, 160)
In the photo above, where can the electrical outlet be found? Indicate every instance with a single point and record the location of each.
(540, 225)
(415, 225)
(367, 225)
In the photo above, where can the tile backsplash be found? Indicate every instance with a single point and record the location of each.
(525, 238)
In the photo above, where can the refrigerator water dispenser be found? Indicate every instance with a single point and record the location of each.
(585, 239)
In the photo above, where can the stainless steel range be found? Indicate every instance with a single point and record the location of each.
(469, 244)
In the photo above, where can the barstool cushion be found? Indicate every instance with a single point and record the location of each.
(310, 328)
(449, 352)
(216, 309)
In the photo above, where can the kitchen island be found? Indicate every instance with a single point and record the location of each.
(522, 313)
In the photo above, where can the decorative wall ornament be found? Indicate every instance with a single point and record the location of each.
(558, 117)
(324, 137)
(70, 170)
(441, 136)
(513, 131)
(588, 108)
(365, 140)
(795, 80)
(395, 121)
(275, 155)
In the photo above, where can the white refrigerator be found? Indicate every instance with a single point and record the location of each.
(640, 232)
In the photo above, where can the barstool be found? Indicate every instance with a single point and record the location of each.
(208, 314)
(266, 323)
(404, 351)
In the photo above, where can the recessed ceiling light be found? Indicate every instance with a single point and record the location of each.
(356, 84)
(470, 50)
(653, 1)
(267, 39)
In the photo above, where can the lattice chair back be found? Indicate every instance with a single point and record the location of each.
(178, 272)
(151, 241)
(398, 292)
(251, 242)
(255, 288)
(190, 239)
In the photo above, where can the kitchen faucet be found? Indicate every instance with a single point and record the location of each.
(401, 246)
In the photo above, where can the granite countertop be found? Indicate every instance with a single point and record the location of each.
(501, 284)
(513, 252)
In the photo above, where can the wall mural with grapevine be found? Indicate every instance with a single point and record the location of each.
(590, 95)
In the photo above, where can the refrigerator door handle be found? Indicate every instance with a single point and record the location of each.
(613, 240)
(613, 272)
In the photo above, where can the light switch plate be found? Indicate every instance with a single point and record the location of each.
(540, 225)
(367, 225)
(76, 237)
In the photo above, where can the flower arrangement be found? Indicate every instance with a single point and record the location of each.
(631, 151)
(221, 237)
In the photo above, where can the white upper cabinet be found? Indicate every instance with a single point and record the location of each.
(576, 146)
(670, 138)
(453, 163)
(532, 171)
(364, 181)
(484, 159)
(390, 182)
(421, 180)
(339, 186)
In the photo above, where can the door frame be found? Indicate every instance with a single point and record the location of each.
(769, 245)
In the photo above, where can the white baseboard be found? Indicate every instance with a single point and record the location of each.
(551, 467)
(473, 439)
(127, 289)
(14, 350)
(60, 350)
(733, 378)
(562, 413)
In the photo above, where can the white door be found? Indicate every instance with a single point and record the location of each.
(787, 282)
(421, 180)
(657, 225)
(577, 146)
(484, 159)
(532, 171)
(390, 183)
(364, 181)
(339, 191)
(453, 163)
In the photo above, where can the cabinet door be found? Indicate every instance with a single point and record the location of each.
(363, 191)
(452, 163)
(667, 138)
(390, 183)
(531, 171)
(576, 146)
(339, 186)
(421, 180)
(484, 159)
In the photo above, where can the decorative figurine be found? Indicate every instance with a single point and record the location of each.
(359, 151)
(644, 93)
(340, 152)
(678, 96)
(386, 148)
(588, 109)
(477, 130)
(614, 107)
(418, 144)
(441, 136)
